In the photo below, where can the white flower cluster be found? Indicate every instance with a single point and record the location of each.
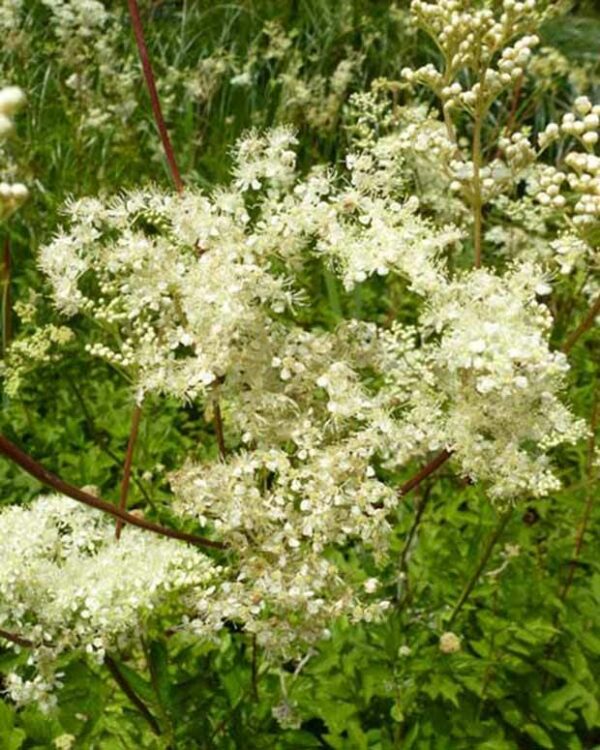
(197, 296)
(23, 355)
(281, 514)
(496, 380)
(191, 286)
(570, 251)
(187, 281)
(376, 234)
(85, 45)
(474, 39)
(484, 56)
(491, 53)
(307, 483)
(73, 18)
(268, 158)
(583, 175)
(10, 11)
(449, 643)
(67, 585)
(180, 282)
(11, 195)
(583, 124)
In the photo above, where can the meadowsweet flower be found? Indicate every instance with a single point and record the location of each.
(12, 99)
(199, 296)
(12, 195)
(191, 285)
(67, 585)
(44, 345)
(64, 741)
(449, 643)
(496, 366)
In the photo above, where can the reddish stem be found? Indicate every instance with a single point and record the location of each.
(432, 466)
(32, 467)
(589, 503)
(135, 424)
(138, 31)
(113, 668)
(15, 638)
(421, 475)
(123, 683)
(6, 296)
(510, 122)
(584, 326)
(218, 420)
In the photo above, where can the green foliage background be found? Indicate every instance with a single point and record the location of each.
(526, 674)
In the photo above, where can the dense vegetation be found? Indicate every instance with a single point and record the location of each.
(348, 339)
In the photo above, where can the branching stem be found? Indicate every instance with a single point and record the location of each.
(19, 640)
(36, 470)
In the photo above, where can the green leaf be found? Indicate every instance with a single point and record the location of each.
(538, 734)
(336, 714)
(7, 717)
(396, 713)
(158, 659)
(559, 699)
(12, 739)
(496, 744)
(38, 726)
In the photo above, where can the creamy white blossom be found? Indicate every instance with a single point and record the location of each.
(200, 295)
(12, 194)
(67, 585)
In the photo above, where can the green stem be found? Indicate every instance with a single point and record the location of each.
(133, 433)
(471, 583)
(477, 203)
(122, 682)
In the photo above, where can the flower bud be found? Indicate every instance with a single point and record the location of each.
(11, 99)
(449, 643)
